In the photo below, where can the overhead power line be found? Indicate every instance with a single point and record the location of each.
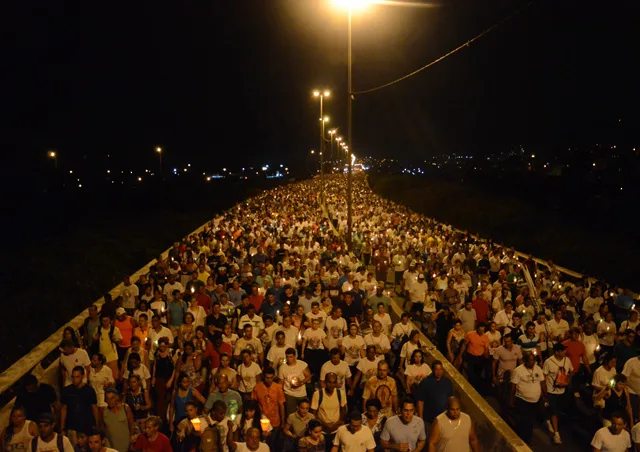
(460, 47)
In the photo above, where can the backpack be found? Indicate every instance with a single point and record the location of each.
(321, 396)
(59, 443)
(210, 439)
(563, 377)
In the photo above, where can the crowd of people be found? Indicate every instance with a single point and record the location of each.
(262, 332)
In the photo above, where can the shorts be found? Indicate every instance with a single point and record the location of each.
(556, 404)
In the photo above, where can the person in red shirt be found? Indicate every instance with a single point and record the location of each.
(204, 300)
(481, 306)
(255, 298)
(152, 440)
(215, 349)
(577, 354)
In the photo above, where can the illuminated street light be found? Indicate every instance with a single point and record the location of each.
(54, 155)
(159, 151)
(323, 119)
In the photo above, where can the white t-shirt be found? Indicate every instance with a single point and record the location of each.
(360, 441)
(230, 340)
(256, 322)
(51, 446)
(400, 329)
(287, 373)
(591, 343)
(169, 288)
(385, 321)
(527, 382)
(353, 349)
(629, 325)
(142, 372)
(368, 369)
(199, 314)
(248, 376)
(321, 315)
(78, 358)
(329, 410)
(551, 369)
(382, 341)
(290, 335)
(335, 330)
(635, 433)
(341, 370)
(631, 370)
(129, 294)
(602, 377)
(276, 356)
(417, 373)
(591, 305)
(242, 447)
(253, 345)
(314, 338)
(605, 441)
(98, 380)
(608, 329)
(558, 329)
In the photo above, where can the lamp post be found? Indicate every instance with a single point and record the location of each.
(323, 119)
(159, 151)
(54, 155)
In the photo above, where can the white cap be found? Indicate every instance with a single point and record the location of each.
(420, 276)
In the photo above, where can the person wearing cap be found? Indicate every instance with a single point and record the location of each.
(125, 324)
(418, 294)
(48, 440)
(558, 371)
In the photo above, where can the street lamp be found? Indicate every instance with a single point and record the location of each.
(54, 155)
(321, 95)
(350, 5)
(159, 151)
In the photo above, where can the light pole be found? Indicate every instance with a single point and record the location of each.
(159, 151)
(323, 119)
(54, 155)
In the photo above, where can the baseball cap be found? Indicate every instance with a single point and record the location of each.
(47, 418)
(120, 311)
(558, 347)
(420, 276)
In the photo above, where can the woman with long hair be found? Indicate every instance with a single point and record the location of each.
(313, 440)
(187, 330)
(182, 394)
(190, 363)
(455, 338)
(71, 335)
(19, 433)
(163, 373)
(250, 417)
(416, 371)
(100, 377)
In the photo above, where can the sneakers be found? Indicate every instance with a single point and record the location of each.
(550, 427)
(556, 438)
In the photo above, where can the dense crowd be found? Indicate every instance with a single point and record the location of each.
(262, 332)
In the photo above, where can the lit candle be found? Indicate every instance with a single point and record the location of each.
(598, 347)
(612, 382)
(264, 423)
(193, 289)
(299, 336)
(196, 424)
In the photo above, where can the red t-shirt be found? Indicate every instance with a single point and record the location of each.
(204, 300)
(211, 352)
(256, 301)
(575, 350)
(482, 309)
(161, 444)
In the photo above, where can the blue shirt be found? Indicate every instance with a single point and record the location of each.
(397, 432)
(434, 394)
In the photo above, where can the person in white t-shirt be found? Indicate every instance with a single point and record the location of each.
(606, 331)
(603, 374)
(332, 409)
(557, 371)
(71, 357)
(354, 437)
(384, 319)
(339, 368)
(47, 440)
(336, 327)
(527, 387)
(353, 347)
(558, 328)
(248, 373)
(614, 438)
(293, 375)
(252, 444)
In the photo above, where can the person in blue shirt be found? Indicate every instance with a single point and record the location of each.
(432, 393)
(624, 303)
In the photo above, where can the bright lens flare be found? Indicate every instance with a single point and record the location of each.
(352, 4)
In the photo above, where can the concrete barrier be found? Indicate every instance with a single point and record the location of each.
(493, 432)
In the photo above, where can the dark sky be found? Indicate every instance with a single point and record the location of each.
(232, 80)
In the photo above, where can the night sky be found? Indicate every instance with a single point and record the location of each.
(230, 82)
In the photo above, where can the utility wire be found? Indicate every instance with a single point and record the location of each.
(460, 47)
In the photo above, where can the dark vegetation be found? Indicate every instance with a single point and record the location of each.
(571, 224)
(62, 251)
